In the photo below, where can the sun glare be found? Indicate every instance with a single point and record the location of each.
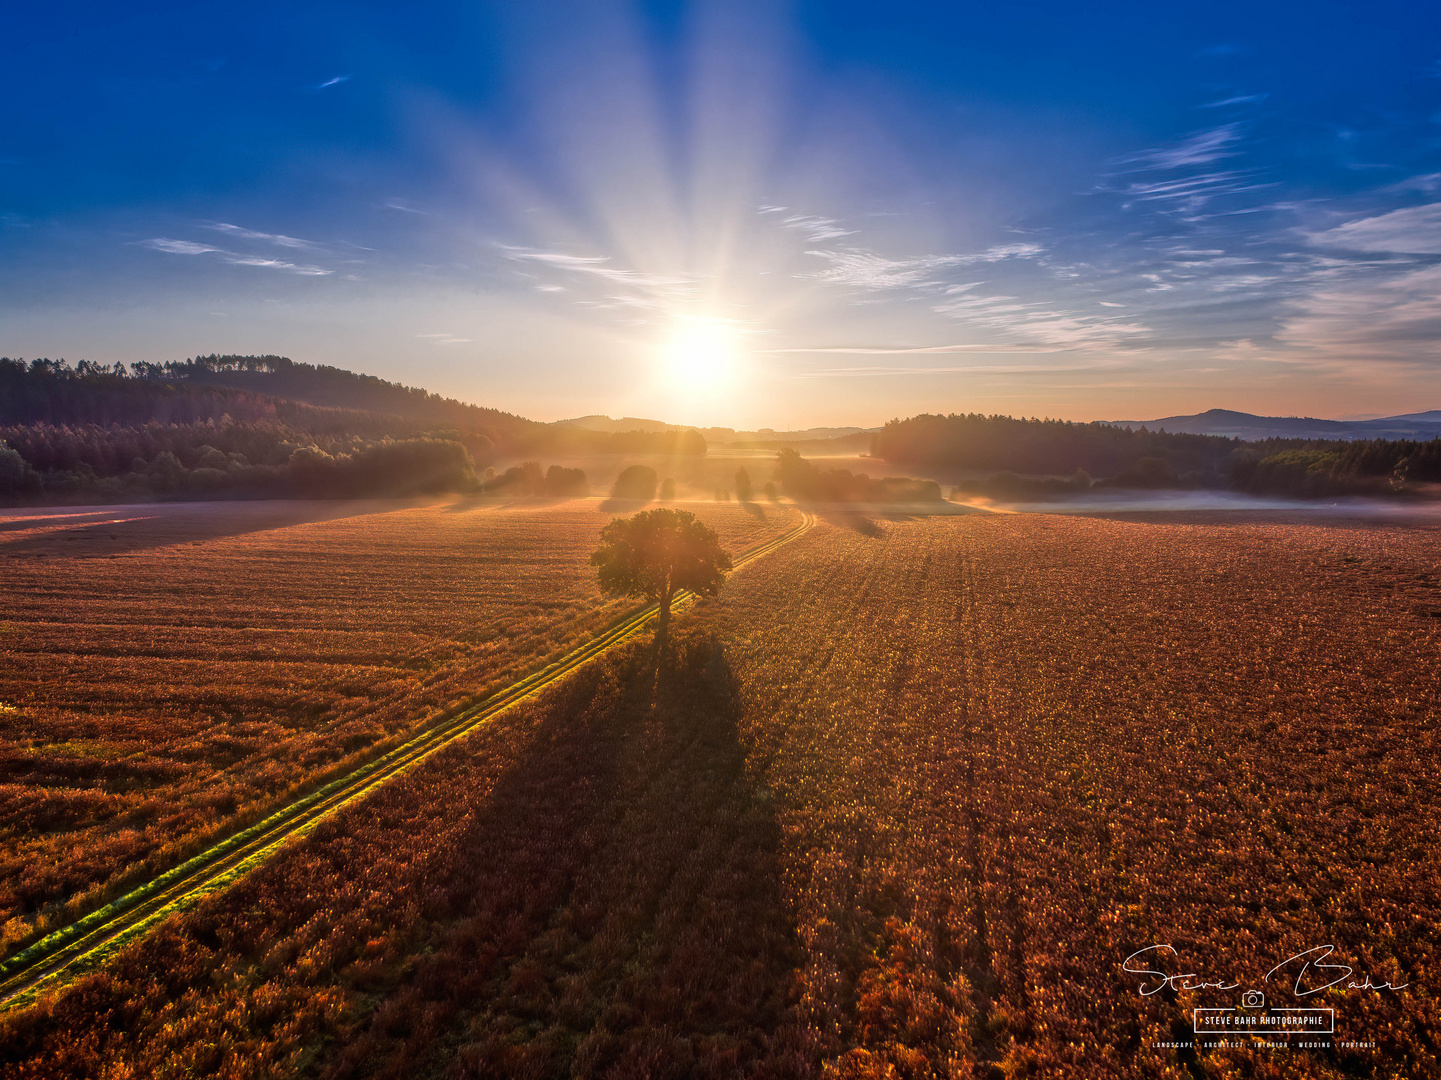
(699, 357)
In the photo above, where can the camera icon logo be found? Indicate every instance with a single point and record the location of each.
(1253, 999)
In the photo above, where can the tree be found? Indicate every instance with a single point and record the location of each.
(637, 482)
(743, 485)
(560, 481)
(656, 553)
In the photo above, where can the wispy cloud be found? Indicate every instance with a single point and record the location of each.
(592, 265)
(1239, 99)
(862, 269)
(444, 339)
(235, 258)
(275, 264)
(1192, 192)
(915, 350)
(1413, 230)
(1395, 320)
(279, 239)
(816, 228)
(1199, 148)
(972, 369)
(597, 283)
(335, 81)
(859, 269)
(178, 247)
(1176, 180)
(1040, 322)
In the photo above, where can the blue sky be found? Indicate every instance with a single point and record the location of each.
(764, 215)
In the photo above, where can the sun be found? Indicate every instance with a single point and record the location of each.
(699, 356)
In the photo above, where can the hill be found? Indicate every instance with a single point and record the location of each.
(1249, 427)
(260, 427)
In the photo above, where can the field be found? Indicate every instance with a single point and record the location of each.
(171, 672)
(905, 802)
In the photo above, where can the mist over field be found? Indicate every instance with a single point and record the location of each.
(1183, 501)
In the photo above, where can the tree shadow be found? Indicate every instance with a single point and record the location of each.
(616, 907)
(466, 504)
(754, 509)
(502, 501)
(853, 519)
(118, 530)
(614, 505)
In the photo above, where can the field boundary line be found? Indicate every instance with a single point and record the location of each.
(94, 938)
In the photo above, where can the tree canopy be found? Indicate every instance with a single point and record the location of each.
(657, 553)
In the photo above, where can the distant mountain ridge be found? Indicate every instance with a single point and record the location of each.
(1252, 428)
(597, 422)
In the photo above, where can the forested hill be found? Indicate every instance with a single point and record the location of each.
(305, 397)
(281, 377)
(246, 388)
(261, 427)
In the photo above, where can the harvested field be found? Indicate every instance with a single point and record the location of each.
(174, 670)
(1014, 750)
(937, 781)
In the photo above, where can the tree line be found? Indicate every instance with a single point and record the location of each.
(226, 459)
(1062, 457)
(805, 482)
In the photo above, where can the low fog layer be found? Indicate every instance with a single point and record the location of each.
(1114, 502)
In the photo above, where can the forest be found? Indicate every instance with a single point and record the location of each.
(1062, 457)
(261, 427)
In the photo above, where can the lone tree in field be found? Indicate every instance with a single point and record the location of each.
(656, 553)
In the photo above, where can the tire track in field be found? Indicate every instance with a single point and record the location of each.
(981, 968)
(91, 940)
(1003, 1002)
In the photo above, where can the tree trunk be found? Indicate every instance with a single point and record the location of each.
(662, 622)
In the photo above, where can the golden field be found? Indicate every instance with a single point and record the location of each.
(171, 671)
(904, 802)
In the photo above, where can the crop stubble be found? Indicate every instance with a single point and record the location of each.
(937, 782)
(1019, 748)
(172, 671)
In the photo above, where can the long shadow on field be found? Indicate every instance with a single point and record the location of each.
(139, 527)
(615, 505)
(506, 502)
(853, 519)
(616, 907)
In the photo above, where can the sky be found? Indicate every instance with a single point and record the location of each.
(747, 214)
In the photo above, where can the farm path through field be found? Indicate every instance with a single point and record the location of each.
(89, 941)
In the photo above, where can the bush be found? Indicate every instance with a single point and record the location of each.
(637, 482)
(519, 480)
(15, 475)
(562, 481)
